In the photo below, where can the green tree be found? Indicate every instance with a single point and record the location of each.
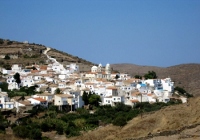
(4, 86)
(85, 98)
(57, 91)
(94, 100)
(116, 76)
(150, 75)
(17, 78)
(7, 57)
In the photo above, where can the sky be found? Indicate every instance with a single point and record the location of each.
(144, 32)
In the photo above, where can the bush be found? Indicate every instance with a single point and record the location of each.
(7, 57)
(69, 117)
(122, 107)
(71, 132)
(21, 131)
(44, 126)
(59, 129)
(92, 121)
(183, 92)
(80, 123)
(35, 134)
(120, 121)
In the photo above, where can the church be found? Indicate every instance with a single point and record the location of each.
(99, 72)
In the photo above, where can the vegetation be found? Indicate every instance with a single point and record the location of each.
(9, 42)
(17, 79)
(150, 75)
(182, 92)
(116, 76)
(27, 129)
(4, 86)
(1, 41)
(3, 123)
(91, 99)
(57, 91)
(73, 124)
(7, 66)
(32, 56)
(7, 57)
(138, 77)
(23, 91)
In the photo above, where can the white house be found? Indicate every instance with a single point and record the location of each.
(72, 68)
(5, 102)
(37, 78)
(15, 68)
(111, 91)
(12, 86)
(52, 88)
(107, 100)
(22, 106)
(38, 101)
(64, 100)
(27, 81)
(46, 96)
(168, 85)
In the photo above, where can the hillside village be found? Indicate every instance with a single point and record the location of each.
(112, 87)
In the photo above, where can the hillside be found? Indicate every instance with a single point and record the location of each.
(172, 122)
(24, 53)
(31, 53)
(185, 75)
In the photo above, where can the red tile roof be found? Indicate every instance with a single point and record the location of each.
(40, 99)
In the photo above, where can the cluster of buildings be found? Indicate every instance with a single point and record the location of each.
(111, 87)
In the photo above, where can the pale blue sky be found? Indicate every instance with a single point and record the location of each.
(144, 32)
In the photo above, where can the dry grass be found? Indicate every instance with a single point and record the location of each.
(166, 119)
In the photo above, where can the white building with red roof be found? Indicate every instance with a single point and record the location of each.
(38, 101)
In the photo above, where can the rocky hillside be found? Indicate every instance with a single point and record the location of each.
(186, 76)
(25, 53)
